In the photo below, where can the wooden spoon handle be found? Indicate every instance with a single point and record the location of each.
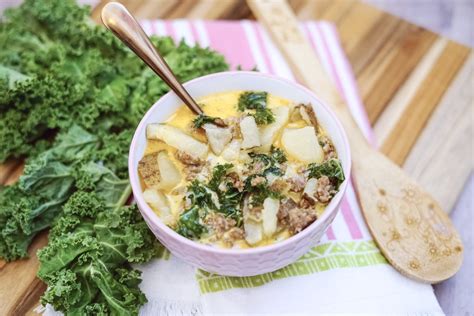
(280, 21)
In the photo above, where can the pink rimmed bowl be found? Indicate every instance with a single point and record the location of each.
(239, 262)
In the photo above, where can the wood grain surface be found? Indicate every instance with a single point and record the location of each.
(416, 87)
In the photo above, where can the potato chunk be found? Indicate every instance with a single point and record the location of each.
(158, 171)
(149, 170)
(232, 151)
(270, 132)
(159, 203)
(250, 132)
(253, 232)
(218, 137)
(310, 190)
(269, 216)
(169, 174)
(177, 138)
(252, 226)
(302, 144)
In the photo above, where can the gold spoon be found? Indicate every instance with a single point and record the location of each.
(122, 23)
(412, 231)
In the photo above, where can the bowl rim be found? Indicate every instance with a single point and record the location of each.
(149, 214)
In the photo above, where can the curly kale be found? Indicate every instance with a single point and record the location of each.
(58, 69)
(218, 173)
(331, 168)
(21, 218)
(91, 229)
(89, 267)
(202, 119)
(32, 204)
(256, 101)
(218, 194)
(229, 197)
(190, 223)
(91, 246)
(271, 162)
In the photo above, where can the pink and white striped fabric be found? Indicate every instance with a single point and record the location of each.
(247, 44)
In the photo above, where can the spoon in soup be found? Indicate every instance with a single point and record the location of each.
(124, 26)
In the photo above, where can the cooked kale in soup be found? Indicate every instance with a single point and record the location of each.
(263, 176)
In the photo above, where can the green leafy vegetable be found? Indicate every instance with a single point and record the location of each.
(271, 162)
(57, 69)
(190, 221)
(201, 195)
(189, 224)
(229, 197)
(202, 119)
(257, 101)
(218, 173)
(203, 200)
(277, 155)
(230, 201)
(22, 216)
(259, 192)
(86, 264)
(92, 244)
(32, 204)
(331, 168)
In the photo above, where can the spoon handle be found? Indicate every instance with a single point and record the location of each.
(122, 23)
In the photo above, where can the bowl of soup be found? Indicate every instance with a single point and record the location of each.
(249, 186)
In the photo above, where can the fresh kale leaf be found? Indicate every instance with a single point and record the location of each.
(90, 266)
(271, 162)
(189, 224)
(231, 200)
(58, 69)
(257, 101)
(32, 204)
(331, 168)
(92, 245)
(95, 177)
(277, 155)
(22, 217)
(218, 173)
(10, 77)
(201, 195)
(202, 119)
(259, 192)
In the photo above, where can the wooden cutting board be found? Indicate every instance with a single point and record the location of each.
(416, 86)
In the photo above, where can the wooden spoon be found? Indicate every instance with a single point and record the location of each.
(122, 23)
(412, 231)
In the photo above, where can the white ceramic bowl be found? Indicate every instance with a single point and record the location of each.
(239, 262)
